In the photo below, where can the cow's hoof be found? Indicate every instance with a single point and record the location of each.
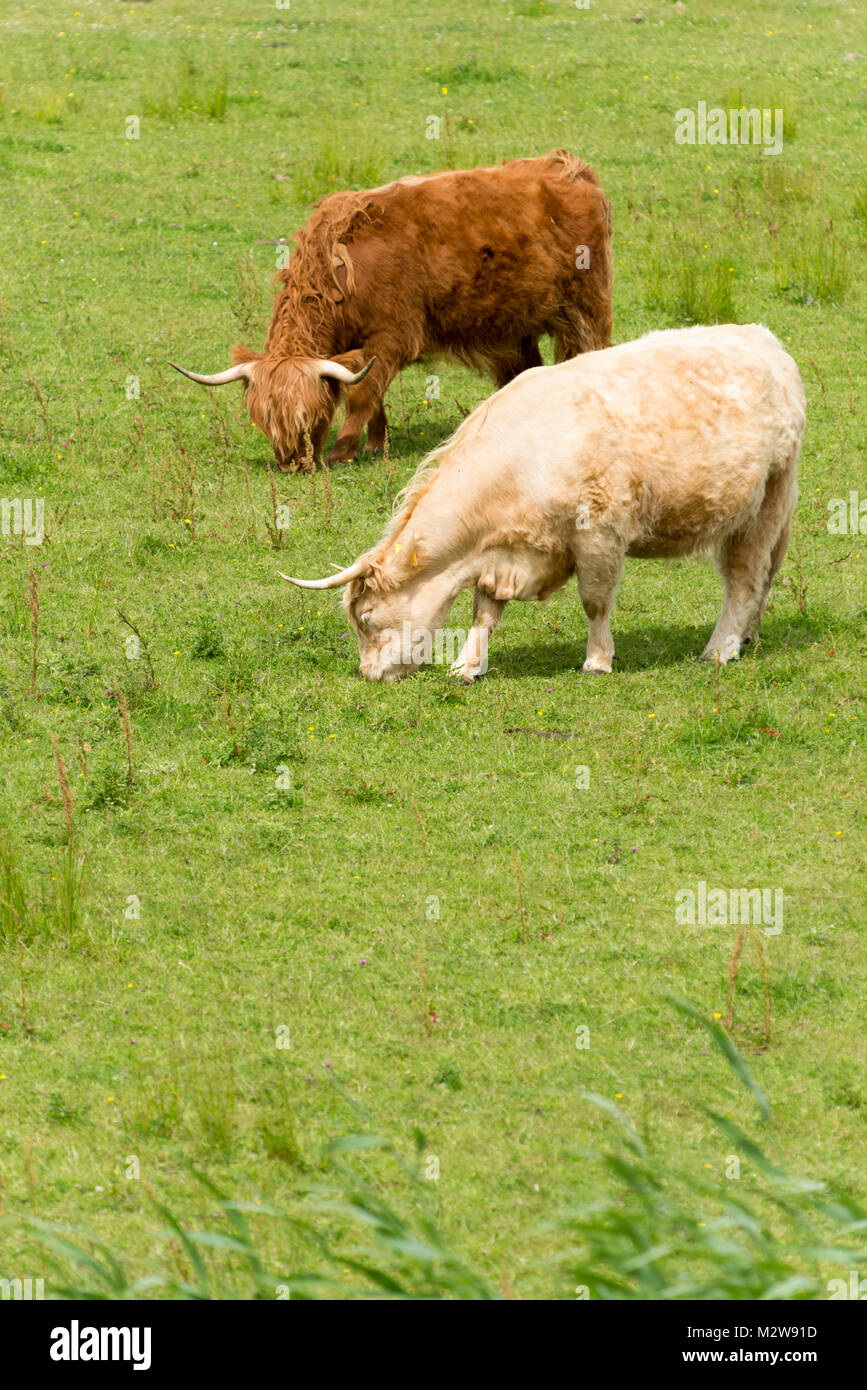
(720, 656)
(466, 677)
(588, 670)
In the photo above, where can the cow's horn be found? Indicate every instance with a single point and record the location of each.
(241, 369)
(332, 581)
(341, 373)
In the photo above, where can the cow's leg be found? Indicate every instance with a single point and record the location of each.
(363, 403)
(345, 446)
(600, 566)
(530, 354)
(568, 345)
(318, 438)
(748, 563)
(376, 431)
(744, 564)
(743, 567)
(777, 555)
(510, 362)
(472, 660)
(776, 513)
(583, 334)
(585, 325)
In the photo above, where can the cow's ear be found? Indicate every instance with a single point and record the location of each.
(401, 560)
(240, 353)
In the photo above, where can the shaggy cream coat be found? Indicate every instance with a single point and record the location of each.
(682, 442)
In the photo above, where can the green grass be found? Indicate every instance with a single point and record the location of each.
(815, 269)
(412, 880)
(685, 287)
(335, 166)
(658, 1234)
(188, 91)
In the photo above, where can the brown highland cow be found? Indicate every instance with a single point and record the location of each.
(474, 264)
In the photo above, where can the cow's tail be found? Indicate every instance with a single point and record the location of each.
(576, 170)
(573, 168)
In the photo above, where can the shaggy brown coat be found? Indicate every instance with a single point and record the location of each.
(474, 264)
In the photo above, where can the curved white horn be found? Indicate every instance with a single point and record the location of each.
(341, 373)
(241, 369)
(332, 581)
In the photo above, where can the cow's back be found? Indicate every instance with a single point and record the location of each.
(474, 256)
(673, 437)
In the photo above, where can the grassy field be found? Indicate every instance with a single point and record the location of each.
(207, 962)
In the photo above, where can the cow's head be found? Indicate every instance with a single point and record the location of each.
(392, 641)
(291, 399)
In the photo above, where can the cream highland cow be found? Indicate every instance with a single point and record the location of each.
(684, 442)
